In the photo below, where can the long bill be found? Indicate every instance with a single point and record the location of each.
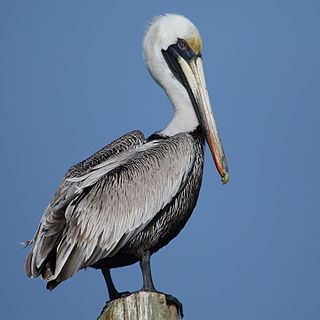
(193, 72)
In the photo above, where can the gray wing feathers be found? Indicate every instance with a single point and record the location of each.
(53, 222)
(115, 199)
(122, 202)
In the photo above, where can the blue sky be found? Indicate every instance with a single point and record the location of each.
(73, 79)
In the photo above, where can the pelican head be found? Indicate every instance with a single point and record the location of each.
(173, 55)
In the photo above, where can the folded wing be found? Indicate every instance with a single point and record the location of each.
(107, 205)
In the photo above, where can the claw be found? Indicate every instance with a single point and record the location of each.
(173, 300)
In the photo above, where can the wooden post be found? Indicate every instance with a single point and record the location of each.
(140, 306)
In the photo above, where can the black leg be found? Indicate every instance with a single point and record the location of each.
(146, 272)
(113, 292)
(149, 286)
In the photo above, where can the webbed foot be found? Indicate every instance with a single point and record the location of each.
(118, 295)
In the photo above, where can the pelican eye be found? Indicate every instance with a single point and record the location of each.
(182, 44)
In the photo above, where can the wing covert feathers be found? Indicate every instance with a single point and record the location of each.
(53, 220)
(103, 204)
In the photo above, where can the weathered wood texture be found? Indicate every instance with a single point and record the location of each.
(140, 306)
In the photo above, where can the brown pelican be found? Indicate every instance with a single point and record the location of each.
(133, 196)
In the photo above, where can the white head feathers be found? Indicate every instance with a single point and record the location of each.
(163, 32)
